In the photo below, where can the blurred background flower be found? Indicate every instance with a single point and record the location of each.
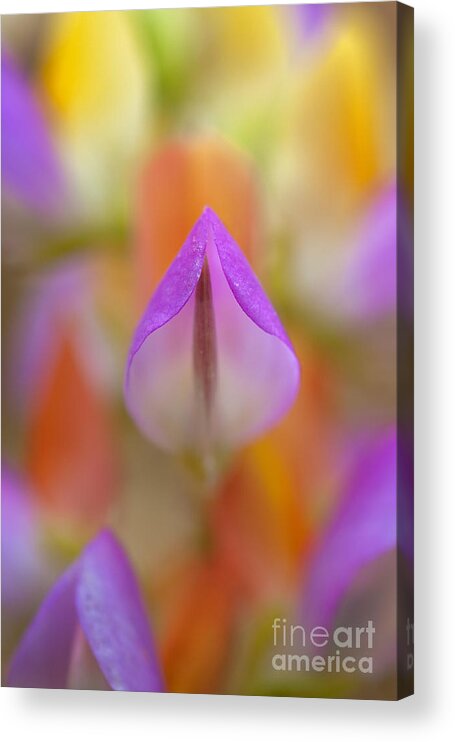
(94, 611)
(118, 129)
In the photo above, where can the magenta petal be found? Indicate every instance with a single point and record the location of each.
(43, 657)
(363, 529)
(30, 169)
(257, 370)
(113, 618)
(100, 595)
(22, 563)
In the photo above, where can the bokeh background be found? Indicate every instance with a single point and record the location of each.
(118, 128)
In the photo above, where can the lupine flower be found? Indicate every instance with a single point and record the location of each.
(30, 169)
(362, 530)
(299, 102)
(210, 366)
(97, 595)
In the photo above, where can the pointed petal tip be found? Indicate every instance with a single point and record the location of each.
(105, 535)
(158, 371)
(209, 216)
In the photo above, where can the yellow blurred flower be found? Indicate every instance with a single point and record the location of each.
(97, 88)
(341, 117)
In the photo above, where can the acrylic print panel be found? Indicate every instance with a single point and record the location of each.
(207, 344)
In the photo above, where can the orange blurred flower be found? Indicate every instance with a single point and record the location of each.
(71, 458)
(178, 181)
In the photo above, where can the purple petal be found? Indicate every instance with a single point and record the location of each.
(22, 563)
(368, 285)
(30, 168)
(363, 529)
(99, 594)
(113, 618)
(257, 370)
(43, 657)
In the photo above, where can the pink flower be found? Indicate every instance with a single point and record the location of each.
(210, 366)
